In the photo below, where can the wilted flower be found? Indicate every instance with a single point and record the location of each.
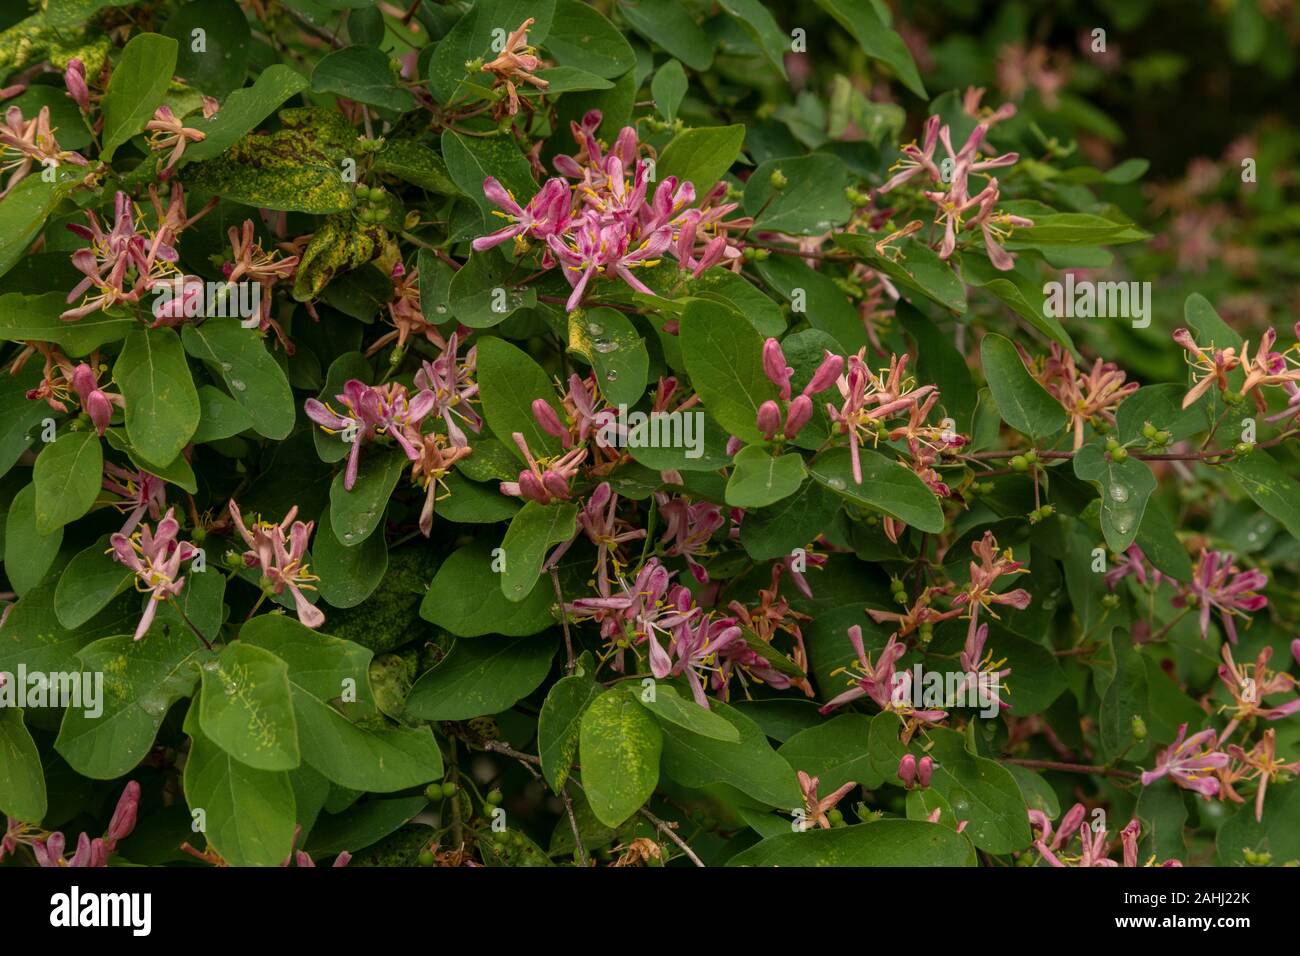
(1217, 584)
(516, 63)
(141, 492)
(1190, 762)
(815, 809)
(25, 143)
(167, 132)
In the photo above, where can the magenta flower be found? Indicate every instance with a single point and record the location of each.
(694, 647)
(49, 851)
(140, 491)
(598, 520)
(1217, 584)
(110, 259)
(917, 159)
(278, 551)
(547, 213)
(868, 399)
(547, 482)
(607, 249)
(1190, 762)
(799, 411)
(690, 527)
(155, 556)
(451, 382)
(816, 809)
(650, 605)
(373, 410)
(95, 402)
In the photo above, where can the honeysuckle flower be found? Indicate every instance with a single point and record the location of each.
(1190, 762)
(74, 78)
(89, 852)
(599, 249)
(140, 491)
(185, 298)
(966, 160)
(694, 647)
(579, 406)
(546, 481)
(924, 771)
(250, 263)
(1211, 364)
(970, 104)
(799, 410)
(372, 410)
(155, 556)
(95, 402)
(919, 613)
(1261, 764)
(696, 253)
(1217, 584)
(433, 463)
(878, 681)
(277, 550)
(516, 63)
(1133, 562)
(907, 771)
(546, 215)
(1268, 368)
(451, 382)
(27, 143)
(405, 313)
(598, 520)
(917, 159)
(111, 256)
(167, 132)
(868, 399)
(1249, 684)
(983, 576)
(651, 604)
(975, 661)
(1085, 397)
(690, 526)
(301, 858)
(816, 809)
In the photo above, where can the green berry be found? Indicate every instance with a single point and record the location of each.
(433, 791)
(1118, 454)
(1111, 444)
(1244, 448)
(778, 179)
(1020, 463)
(1139, 728)
(448, 789)
(835, 816)
(494, 797)
(426, 858)
(1149, 430)
(1031, 456)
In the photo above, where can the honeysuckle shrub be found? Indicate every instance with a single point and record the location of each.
(621, 433)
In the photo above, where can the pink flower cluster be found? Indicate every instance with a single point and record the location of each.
(607, 222)
(155, 555)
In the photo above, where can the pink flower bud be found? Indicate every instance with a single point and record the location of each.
(734, 445)
(123, 822)
(797, 416)
(549, 421)
(769, 418)
(556, 484)
(74, 78)
(907, 770)
(827, 372)
(774, 365)
(530, 487)
(925, 770)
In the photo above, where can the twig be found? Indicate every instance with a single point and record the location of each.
(668, 831)
(1073, 768)
(573, 824)
(564, 620)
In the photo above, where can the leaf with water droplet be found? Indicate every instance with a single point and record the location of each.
(1125, 488)
(608, 341)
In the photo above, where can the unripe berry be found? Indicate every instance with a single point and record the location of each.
(1019, 463)
(1119, 454)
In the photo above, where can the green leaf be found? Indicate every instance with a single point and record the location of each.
(67, 477)
(836, 752)
(667, 23)
(472, 159)
(473, 36)
(613, 347)
(1159, 543)
(939, 362)
(142, 679)
(1162, 406)
(28, 553)
(247, 709)
(220, 416)
(25, 209)
(701, 155)
(19, 416)
(886, 486)
(819, 299)
(1163, 813)
(558, 723)
(1078, 228)
(243, 110)
(750, 765)
(162, 405)
(724, 356)
(484, 292)
(1277, 834)
(221, 65)
(136, 88)
(361, 73)
(757, 21)
(532, 531)
(480, 678)
(1025, 405)
(725, 286)
(1126, 696)
(90, 581)
(619, 746)
(1022, 293)
(668, 88)
(25, 318)
(328, 674)
(458, 601)
(1270, 487)
(671, 707)
(354, 515)
(883, 843)
(1125, 488)
(581, 36)
(812, 201)
(253, 376)
(760, 479)
(348, 575)
(793, 522)
(418, 164)
(32, 635)
(1209, 330)
(249, 814)
(22, 785)
(877, 40)
(258, 174)
(508, 381)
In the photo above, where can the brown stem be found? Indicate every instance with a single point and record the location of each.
(1072, 767)
(667, 830)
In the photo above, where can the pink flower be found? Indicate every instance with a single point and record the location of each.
(74, 78)
(816, 809)
(95, 402)
(373, 410)
(141, 492)
(1190, 762)
(27, 143)
(547, 213)
(1218, 584)
(548, 483)
(166, 131)
(917, 159)
(155, 556)
(690, 527)
(278, 551)
(451, 382)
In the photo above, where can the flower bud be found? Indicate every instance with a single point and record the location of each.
(774, 365)
(827, 372)
(925, 770)
(798, 415)
(549, 421)
(124, 817)
(769, 418)
(907, 770)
